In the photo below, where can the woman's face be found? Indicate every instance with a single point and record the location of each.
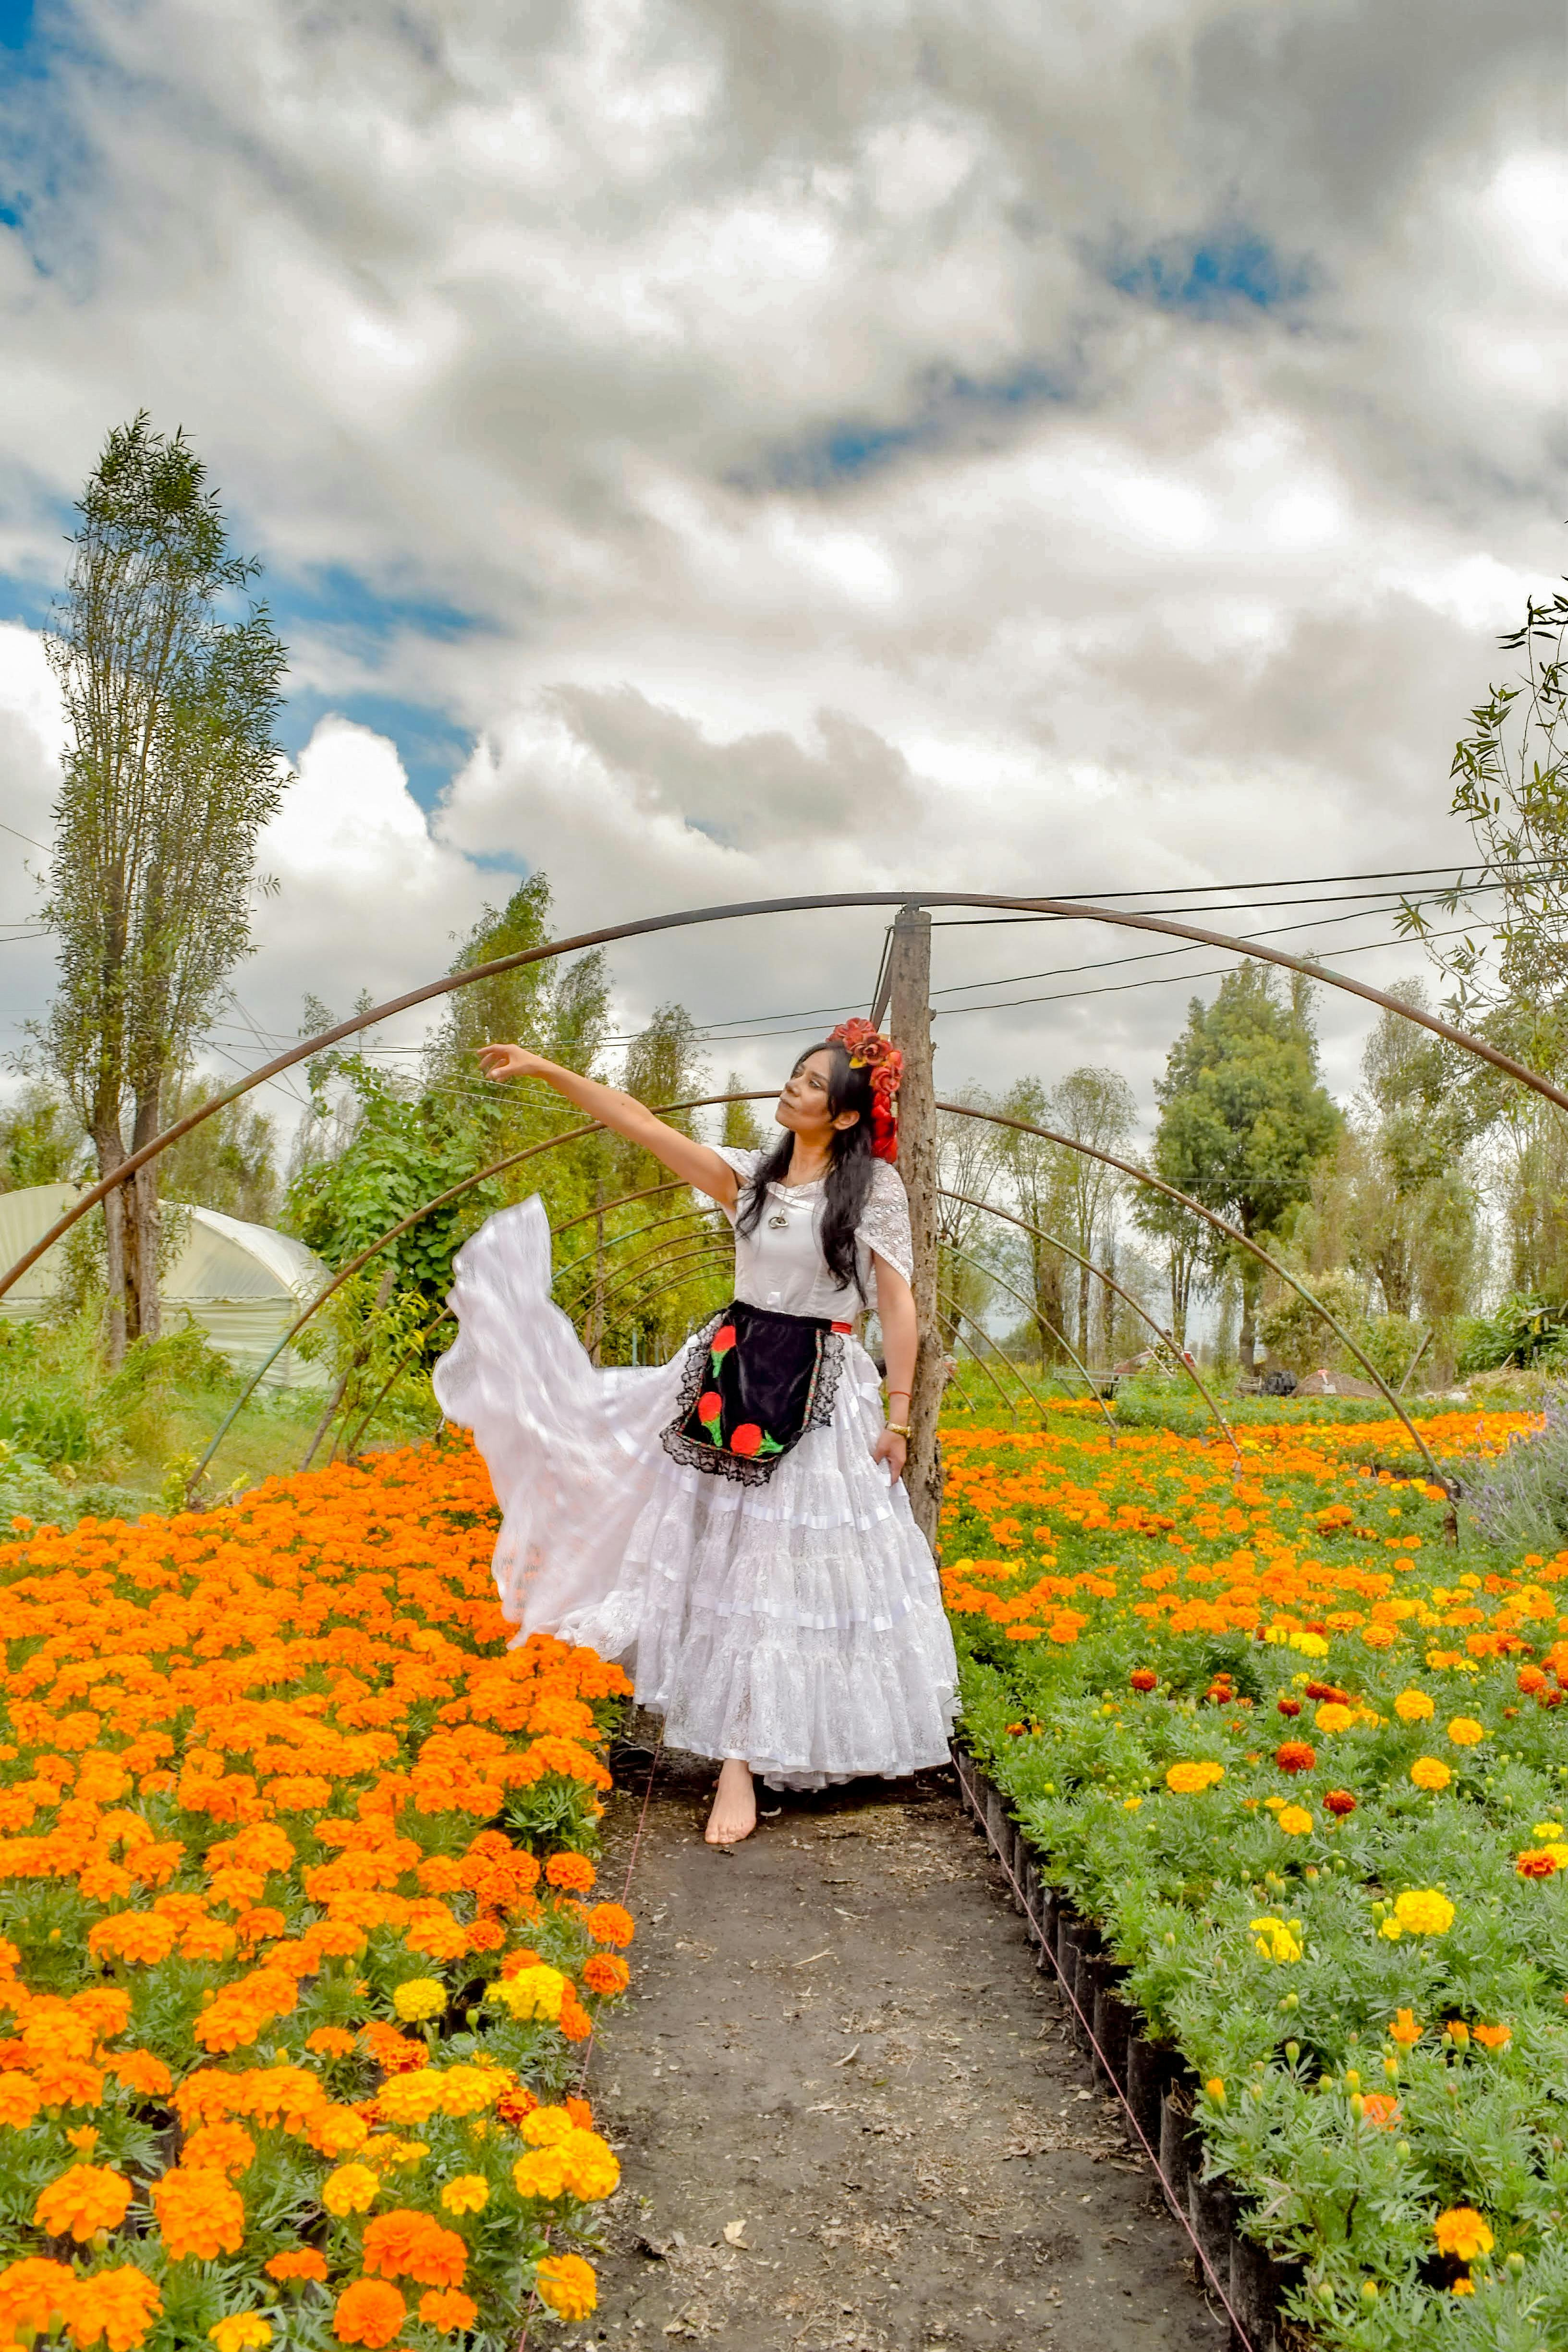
(804, 1105)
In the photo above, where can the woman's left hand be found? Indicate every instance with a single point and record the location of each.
(893, 1450)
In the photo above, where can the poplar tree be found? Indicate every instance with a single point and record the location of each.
(171, 772)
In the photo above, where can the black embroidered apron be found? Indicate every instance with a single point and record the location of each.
(751, 1394)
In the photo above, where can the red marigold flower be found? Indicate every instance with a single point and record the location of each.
(1330, 1691)
(1288, 1705)
(1339, 1800)
(1143, 1678)
(1536, 1864)
(746, 1440)
(1295, 1756)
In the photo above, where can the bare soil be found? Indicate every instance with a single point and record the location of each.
(847, 2108)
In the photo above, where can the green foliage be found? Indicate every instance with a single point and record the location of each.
(1523, 1331)
(41, 1140)
(228, 1163)
(1244, 1117)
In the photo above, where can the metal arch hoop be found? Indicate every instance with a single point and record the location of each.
(384, 1241)
(961, 1315)
(1166, 1338)
(1062, 909)
(1232, 1232)
(1060, 1337)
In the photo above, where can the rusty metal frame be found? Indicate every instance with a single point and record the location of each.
(1110, 1282)
(1232, 1232)
(1058, 909)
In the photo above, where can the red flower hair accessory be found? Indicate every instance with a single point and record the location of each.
(868, 1049)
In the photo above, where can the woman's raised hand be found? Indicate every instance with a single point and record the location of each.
(500, 1061)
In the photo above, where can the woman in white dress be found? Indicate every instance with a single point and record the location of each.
(730, 1525)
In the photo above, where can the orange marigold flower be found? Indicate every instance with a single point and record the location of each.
(1143, 1678)
(370, 2312)
(1380, 2110)
(34, 2295)
(330, 2042)
(222, 2146)
(573, 1872)
(119, 2305)
(1535, 1863)
(445, 2308)
(20, 2099)
(1295, 1756)
(296, 2263)
(1493, 2037)
(198, 2214)
(607, 1923)
(85, 2198)
(567, 2282)
(605, 1975)
(407, 2244)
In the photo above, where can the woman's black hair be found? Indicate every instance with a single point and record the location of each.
(849, 1171)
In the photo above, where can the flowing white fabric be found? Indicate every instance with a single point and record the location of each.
(797, 1623)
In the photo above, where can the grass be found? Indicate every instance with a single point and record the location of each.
(76, 1438)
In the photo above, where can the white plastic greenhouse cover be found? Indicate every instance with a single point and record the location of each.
(243, 1285)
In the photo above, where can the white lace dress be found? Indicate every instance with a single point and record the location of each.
(795, 1623)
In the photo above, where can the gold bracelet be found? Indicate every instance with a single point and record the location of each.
(897, 1429)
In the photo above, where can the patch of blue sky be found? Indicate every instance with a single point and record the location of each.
(431, 746)
(1213, 276)
(948, 409)
(27, 600)
(340, 604)
(15, 23)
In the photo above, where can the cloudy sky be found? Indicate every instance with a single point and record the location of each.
(727, 447)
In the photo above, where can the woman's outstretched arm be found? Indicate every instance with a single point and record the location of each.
(694, 1163)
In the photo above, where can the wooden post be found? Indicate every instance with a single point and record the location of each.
(909, 1005)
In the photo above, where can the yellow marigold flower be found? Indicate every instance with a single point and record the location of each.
(1332, 1717)
(589, 2167)
(1548, 1830)
(419, 1998)
(352, 2188)
(540, 2173)
(1294, 1819)
(1430, 1772)
(1189, 1780)
(536, 1991)
(1462, 2232)
(1423, 1912)
(467, 2090)
(1465, 1731)
(469, 2193)
(1274, 1939)
(241, 2331)
(411, 2098)
(567, 2282)
(1413, 1706)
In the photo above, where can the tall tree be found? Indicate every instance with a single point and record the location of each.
(41, 1140)
(741, 1128)
(1041, 1176)
(1097, 1107)
(1244, 1117)
(171, 772)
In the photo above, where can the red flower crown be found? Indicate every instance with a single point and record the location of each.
(868, 1049)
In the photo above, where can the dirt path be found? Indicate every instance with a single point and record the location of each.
(846, 2111)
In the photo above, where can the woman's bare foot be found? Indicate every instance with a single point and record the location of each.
(734, 1813)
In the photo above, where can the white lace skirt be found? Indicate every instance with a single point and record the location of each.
(796, 1623)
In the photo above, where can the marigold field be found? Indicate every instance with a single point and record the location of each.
(301, 1950)
(1304, 1761)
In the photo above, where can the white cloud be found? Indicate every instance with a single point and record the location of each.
(759, 377)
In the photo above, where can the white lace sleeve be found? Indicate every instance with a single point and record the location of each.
(885, 1222)
(744, 1164)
